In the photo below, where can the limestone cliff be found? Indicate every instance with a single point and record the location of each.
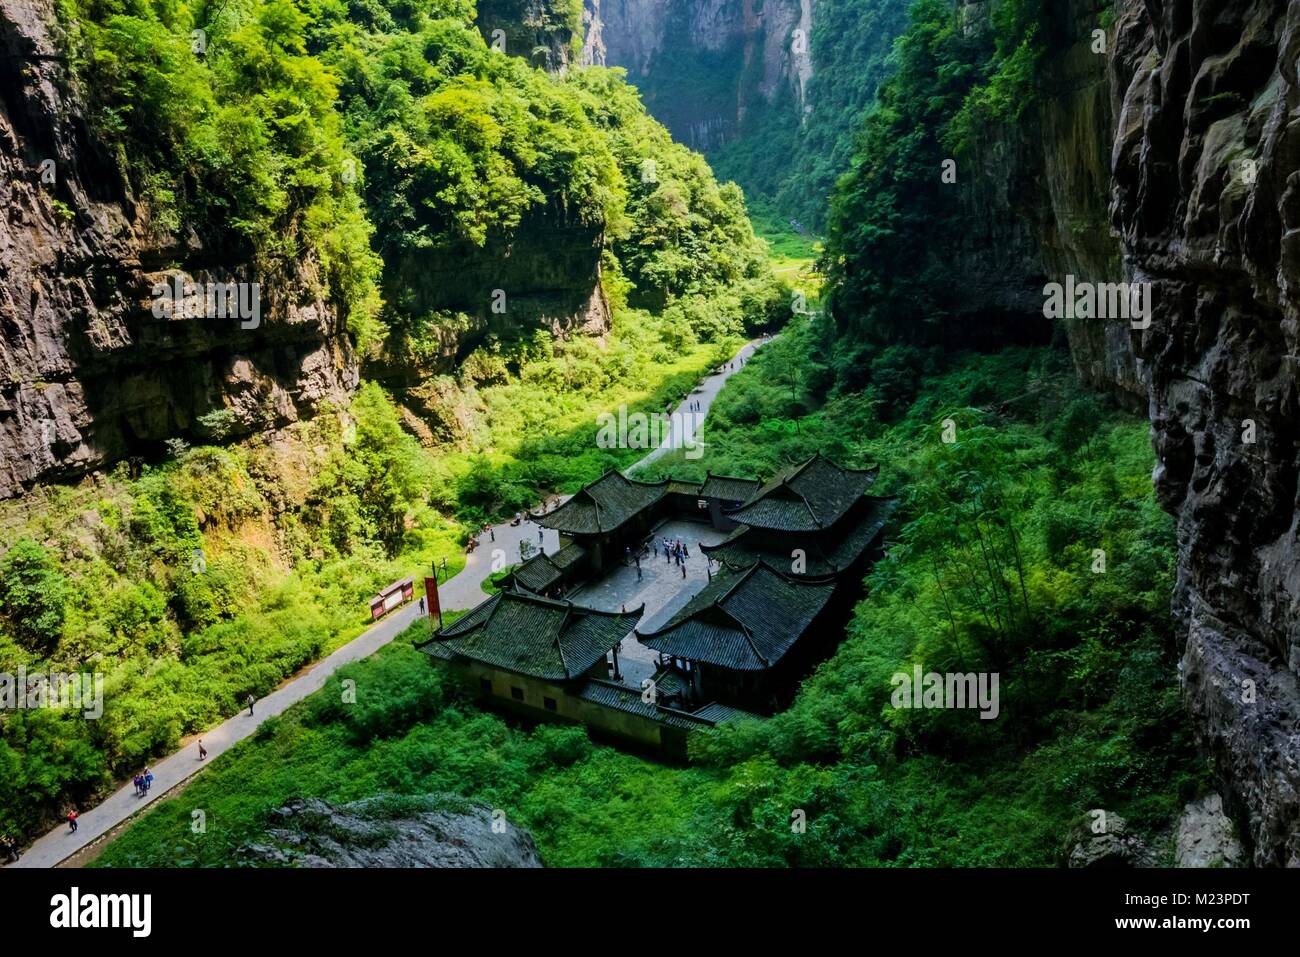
(547, 33)
(1034, 205)
(702, 64)
(1185, 121)
(1207, 197)
(88, 374)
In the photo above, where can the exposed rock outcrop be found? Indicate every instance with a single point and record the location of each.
(1205, 836)
(88, 374)
(1109, 843)
(314, 833)
(540, 31)
(1207, 198)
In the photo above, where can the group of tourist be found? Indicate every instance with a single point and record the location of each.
(143, 782)
(675, 550)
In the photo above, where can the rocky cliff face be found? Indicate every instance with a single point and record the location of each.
(1187, 125)
(1034, 201)
(88, 374)
(701, 64)
(547, 33)
(1207, 198)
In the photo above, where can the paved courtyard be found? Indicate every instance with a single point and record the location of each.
(660, 586)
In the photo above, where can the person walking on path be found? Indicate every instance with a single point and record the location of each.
(249, 702)
(539, 535)
(203, 752)
(148, 780)
(138, 781)
(72, 821)
(421, 606)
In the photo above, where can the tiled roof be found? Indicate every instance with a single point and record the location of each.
(805, 498)
(722, 713)
(537, 574)
(602, 506)
(629, 700)
(531, 635)
(544, 571)
(745, 621)
(684, 487)
(729, 489)
(738, 550)
(568, 555)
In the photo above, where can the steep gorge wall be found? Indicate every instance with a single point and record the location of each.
(87, 374)
(702, 64)
(1207, 199)
(1034, 198)
(1173, 158)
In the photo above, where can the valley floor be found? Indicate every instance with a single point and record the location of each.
(462, 592)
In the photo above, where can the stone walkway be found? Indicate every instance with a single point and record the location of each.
(661, 587)
(462, 592)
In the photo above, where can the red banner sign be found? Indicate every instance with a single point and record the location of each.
(431, 592)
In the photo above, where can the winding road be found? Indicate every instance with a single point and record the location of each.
(462, 592)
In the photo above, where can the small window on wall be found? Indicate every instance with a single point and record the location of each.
(517, 694)
(550, 703)
(485, 685)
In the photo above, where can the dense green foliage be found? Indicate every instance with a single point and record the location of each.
(1040, 474)
(282, 127)
(893, 218)
(1027, 541)
(232, 133)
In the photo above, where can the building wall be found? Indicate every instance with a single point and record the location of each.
(642, 733)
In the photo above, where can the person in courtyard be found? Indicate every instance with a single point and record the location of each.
(72, 821)
(203, 752)
(249, 702)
